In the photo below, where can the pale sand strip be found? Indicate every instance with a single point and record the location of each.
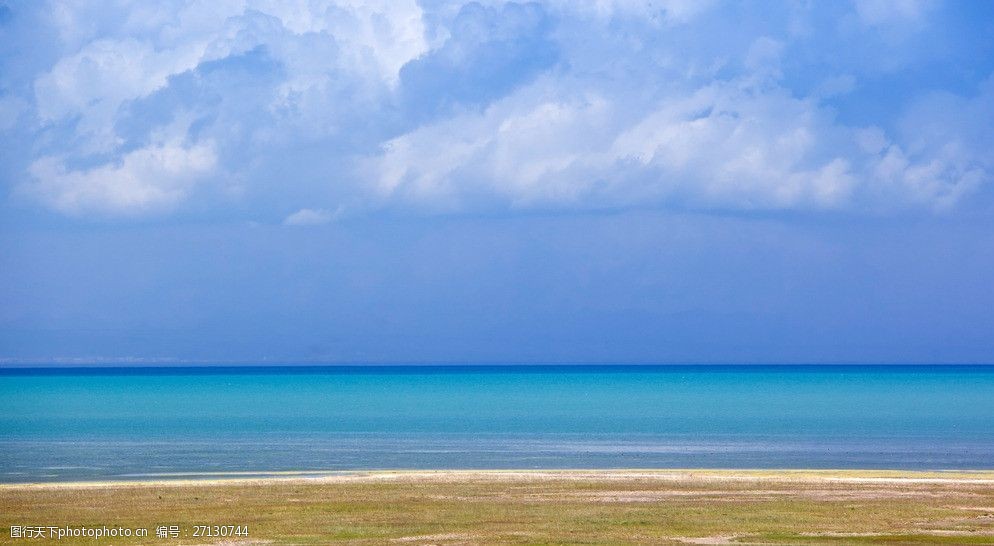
(443, 476)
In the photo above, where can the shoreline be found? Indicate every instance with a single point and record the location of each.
(786, 475)
(468, 507)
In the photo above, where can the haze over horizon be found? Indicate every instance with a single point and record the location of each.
(592, 181)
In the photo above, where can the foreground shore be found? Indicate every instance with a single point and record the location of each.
(523, 507)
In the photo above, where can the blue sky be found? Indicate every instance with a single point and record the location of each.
(563, 181)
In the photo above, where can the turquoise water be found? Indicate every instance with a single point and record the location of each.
(120, 423)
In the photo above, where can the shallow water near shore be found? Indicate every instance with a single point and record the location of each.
(118, 423)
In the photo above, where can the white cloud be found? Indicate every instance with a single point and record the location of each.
(325, 52)
(93, 83)
(152, 179)
(515, 151)
(721, 146)
(745, 144)
(939, 181)
(309, 217)
(106, 71)
(733, 148)
(304, 104)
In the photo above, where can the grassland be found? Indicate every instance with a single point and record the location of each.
(568, 507)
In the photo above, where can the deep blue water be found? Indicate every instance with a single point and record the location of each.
(126, 423)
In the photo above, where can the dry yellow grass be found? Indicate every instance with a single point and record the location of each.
(555, 507)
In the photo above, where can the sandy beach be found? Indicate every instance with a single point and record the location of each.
(524, 507)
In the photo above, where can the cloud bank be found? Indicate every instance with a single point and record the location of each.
(287, 110)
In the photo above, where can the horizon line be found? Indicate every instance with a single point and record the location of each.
(26, 368)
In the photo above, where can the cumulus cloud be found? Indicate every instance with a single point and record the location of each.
(488, 52)
(229, 77)
(721, 147)
(743, 144)
(145, 180)
(461, 106)
(92, 84)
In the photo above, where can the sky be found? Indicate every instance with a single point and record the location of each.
(584, 181)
